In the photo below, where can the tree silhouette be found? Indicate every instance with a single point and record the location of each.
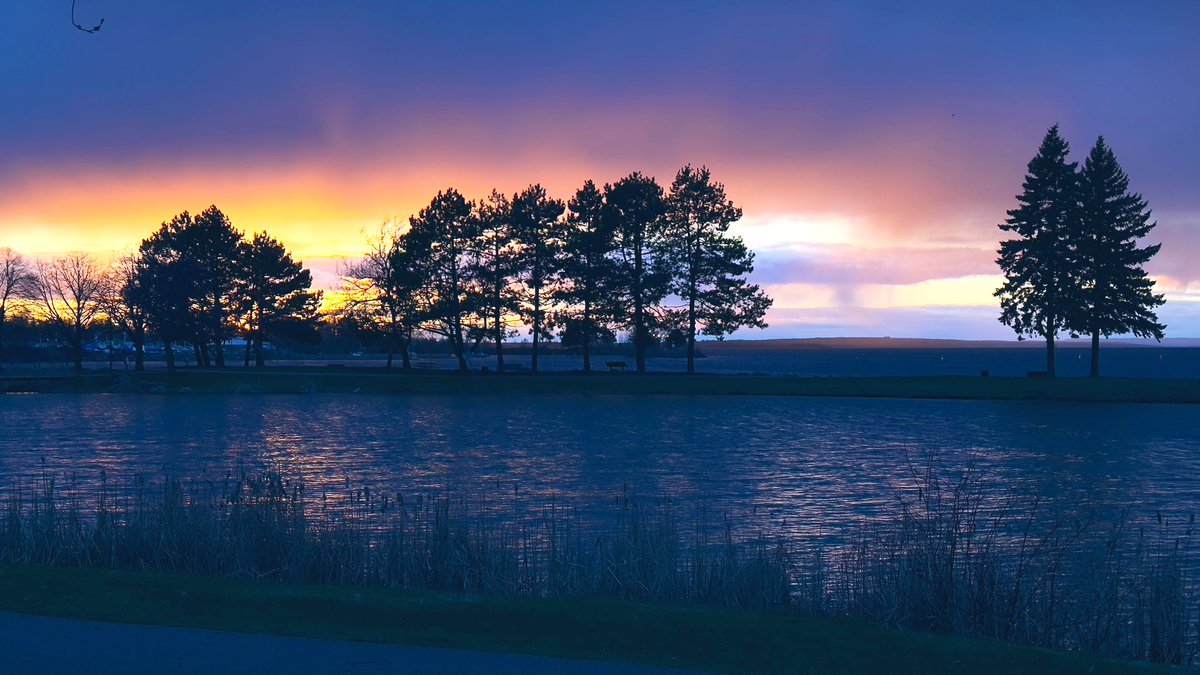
(274, 296)
(444, 232)
(16, 282)
(126, 301)
(536, 232)
(212, 243)
(168, 277)
(494, 270)
(588, 273)
(707, 264)
(1039, 293)
(68, 294)
(192, 264)
(381, 289)
(634, 209)
(1117, 294)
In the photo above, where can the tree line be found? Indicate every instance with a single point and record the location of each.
(629, 257)
(1074, 264)
(195, 282)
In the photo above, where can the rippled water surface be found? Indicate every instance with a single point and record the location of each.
(806, 464)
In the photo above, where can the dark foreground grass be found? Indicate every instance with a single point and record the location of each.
(376, 380)
(653, 634)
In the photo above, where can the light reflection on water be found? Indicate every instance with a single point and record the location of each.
(808, 466)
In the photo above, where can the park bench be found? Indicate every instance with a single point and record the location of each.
(614, 366)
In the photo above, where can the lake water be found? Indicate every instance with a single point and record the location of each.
(809, 466)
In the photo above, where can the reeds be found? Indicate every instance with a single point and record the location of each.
(956, 555)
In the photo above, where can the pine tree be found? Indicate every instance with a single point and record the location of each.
(537, 238)
(493, 253)
(1117, 295)
(274, 295)
(635, 209)
(707, 264)
(445, 233)
(167, 278)
(587, 274)
(1040, 294)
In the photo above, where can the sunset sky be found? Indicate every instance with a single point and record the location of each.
(874, 147)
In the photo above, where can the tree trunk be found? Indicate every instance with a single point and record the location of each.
(459, 351)
(587, 337)
(246, 355)
(77, 345)
(691, 354)
(537, 327)
(1095, 354)
(498, 328)
(405, 348)
(1050, 356)
(139, 349)
(169, 352)
(259, 360)
(639, 313)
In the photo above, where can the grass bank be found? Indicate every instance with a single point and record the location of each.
(374, 380)
(653, 634)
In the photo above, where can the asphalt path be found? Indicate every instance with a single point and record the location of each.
(42, 645)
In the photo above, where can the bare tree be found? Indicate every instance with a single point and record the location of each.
(125, 301)
(380, 289)
(16, 280)
(68, 293)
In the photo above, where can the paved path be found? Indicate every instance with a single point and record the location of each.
(45, 645)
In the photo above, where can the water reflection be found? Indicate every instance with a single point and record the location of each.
(808, 465)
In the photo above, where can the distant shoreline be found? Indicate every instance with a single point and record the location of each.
(788, 344)
(340, 379)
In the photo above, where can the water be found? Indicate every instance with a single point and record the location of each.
(808, 466)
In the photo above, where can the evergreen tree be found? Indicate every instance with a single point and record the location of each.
(634, 209)
(445, 232)
(536, 232)
(494, 270)
(211, 244)
(587, 270)
(708, 265)
(1117, 295)
(274, 295)
(167, 277)
(1040, 293)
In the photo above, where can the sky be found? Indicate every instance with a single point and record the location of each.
(873, 146)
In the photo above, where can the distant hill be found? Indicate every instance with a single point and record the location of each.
(746, 346)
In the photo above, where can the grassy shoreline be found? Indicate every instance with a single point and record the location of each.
(679, 636)
(301, 379)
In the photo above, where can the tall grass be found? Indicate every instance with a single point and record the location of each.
(955, 555)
